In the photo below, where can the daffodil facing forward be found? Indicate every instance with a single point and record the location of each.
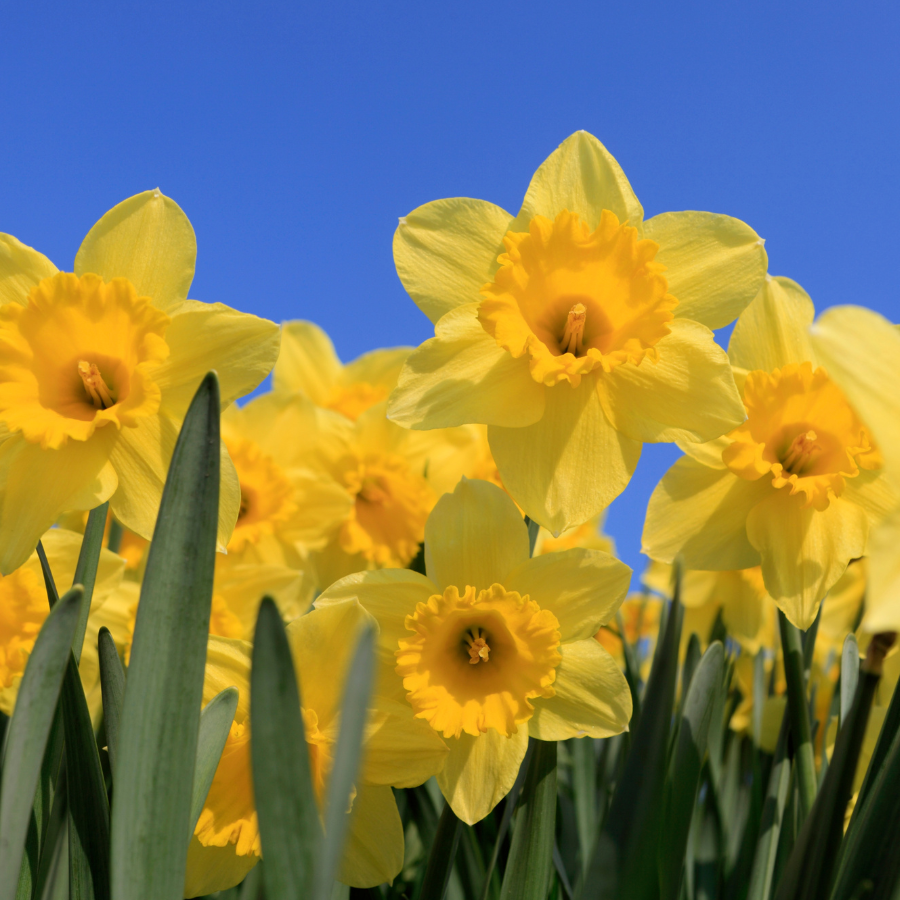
(493, 646)
(795, 488)
(576, 330)
(97, 369)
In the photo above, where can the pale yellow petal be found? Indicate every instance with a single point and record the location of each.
(774, 329)
(568, 466)
(701, 513)
(874, 492)
(581, 176)
(582, 588)
(462, 376)
(445, 252)
(211, 336)
(148, 240)
(21, 268)
(689, 395)
(592, 696)
(39, 485)
(373, 852)
(307, 363)
(474, 536)
(211, 869)
(883, 593)
(480, 771)
(715, 264)
(861, 351)
(379, 368)
(805, 551)
(709, 453)
(228, 663)
(323, 505)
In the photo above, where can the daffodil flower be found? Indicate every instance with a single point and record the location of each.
(794, 489)
(308, 365)
(493, 646)
(98, 367)
(398, 751)
(576, 330)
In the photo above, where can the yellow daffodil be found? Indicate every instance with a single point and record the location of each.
(589, 535)
(132, 547)
(576, 330)
(398, 751)
(639, 615)
(308, 365)
(492, 646)
(24, 606)
(862, 352)
(98, 367)
(795, 488)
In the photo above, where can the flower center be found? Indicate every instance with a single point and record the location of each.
(23, 608)
(267, 496)
(800, 430)
(573, 300)
(78, 356)
(391, 504)
(353, 400)
(475, 660)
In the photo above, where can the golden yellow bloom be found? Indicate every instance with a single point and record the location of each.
(308, 365)
(491, 641)
(576, 330)
(24, 607)
(97, 368)
(589, 535)
(132, 547)
(795, 489)
(398, 751)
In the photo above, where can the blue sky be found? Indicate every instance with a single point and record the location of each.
(294, 136)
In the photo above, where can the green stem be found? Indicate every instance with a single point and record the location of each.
(798, 710)
(442, 855)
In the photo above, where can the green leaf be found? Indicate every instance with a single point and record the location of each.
(441, 856)
(684, 771)
(28, 731)
(86, 569)
(215, 723)
(164, 691)
(530, 862)
(289, 829)
(759, 695)
(691, 661)
(584, 794)
(112, 688)
(354, 713)
(849, 674)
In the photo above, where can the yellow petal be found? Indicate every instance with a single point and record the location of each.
(148, 240)
(805, 551)
(861, 351)
(373, 852)
(39, 485)
(474, 536)
(688, 395)
(568, 466)
(581, 176)
(582, 588)
(447, 250)
(205, 336)
(480, 771)
(211, 869)
(702, 513)
(379, 368)
(774, 329)
(461, 376)
(21, 268)
(715, 264)
(874, 492)
(307, 363)
(592, 696)
(708, 453)
(883, 594)
(141, 458)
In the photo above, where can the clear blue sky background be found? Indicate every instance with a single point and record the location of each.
(294, 136)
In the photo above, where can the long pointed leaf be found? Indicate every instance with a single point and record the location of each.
(441, 856)
(112, 688)
(849, 674)
(289, 829)
(164, 691)
(28, 731)
(86, 569)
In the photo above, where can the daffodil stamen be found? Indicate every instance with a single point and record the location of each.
(477, 646)
(573, 337)
(801, 453)
(94, 384)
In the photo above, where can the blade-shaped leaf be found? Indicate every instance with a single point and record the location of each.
(849, 674)
(164, 691)
(86, 569)
(215, 723)
(289, 829)
(112, 688)
(28, 731)
(441, 856)
(584, 794)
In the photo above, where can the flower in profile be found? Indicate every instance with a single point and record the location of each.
(491, 646)
(398, 751)
(24, 607)
(98, 367)
(796, 488)
(309, 366)
(576, 330)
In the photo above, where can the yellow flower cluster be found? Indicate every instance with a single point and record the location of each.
(394, 489)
